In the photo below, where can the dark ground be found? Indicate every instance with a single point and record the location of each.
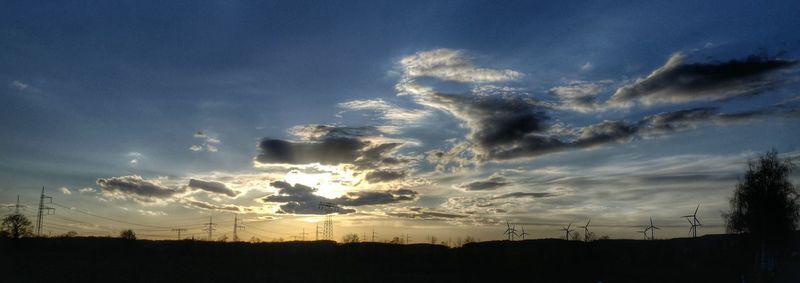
(716, 258)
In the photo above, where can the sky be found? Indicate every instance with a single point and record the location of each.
(439, 119)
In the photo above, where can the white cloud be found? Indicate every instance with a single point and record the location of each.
(18, 85)
(388, 111)
(452, 65)
(210, 144)
(87, 190)
(65, 190)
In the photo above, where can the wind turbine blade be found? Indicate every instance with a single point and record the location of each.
(587, 223)
(690, 221)
(698, 207)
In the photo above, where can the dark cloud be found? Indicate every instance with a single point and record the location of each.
(678, 81)
(300, 199)
(384, 176)
(525, 195)
(329, 145)
(375, 197)
(331, 151)
(492, 183)
(135, 186)
(214, 187)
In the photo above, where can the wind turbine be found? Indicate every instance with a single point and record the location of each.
(510, 231)
(694, 222)
(644, 232)
(523, 234)
(586, 230)
(567, 230)
(652, 229)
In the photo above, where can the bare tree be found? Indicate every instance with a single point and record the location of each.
(765, 203)
(350, 238)
(16, 226)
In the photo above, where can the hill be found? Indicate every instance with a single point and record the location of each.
(716, 258)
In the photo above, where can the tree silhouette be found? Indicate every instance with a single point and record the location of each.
(16, 226)
(765, 203)
(127, 234)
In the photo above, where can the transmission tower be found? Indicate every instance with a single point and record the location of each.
(373, 235)
(210, 228)
(303, 235)
(43, 210)
(236, 226)
(16, 206)
(179, 230)
(327, 228)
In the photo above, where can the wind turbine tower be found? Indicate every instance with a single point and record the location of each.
(511, 232)
(693, 221)
(523, 234)
(652, 229)
(586, 230)
(567, 231)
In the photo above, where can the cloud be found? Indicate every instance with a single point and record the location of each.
(208, 143)
(330, 145)
(87, 190)
(493, 183)
(211, 206)
(452, 65)
(392, 113)
(494, 122)
(300, 199)
(384, 176)
(214, 187)
(136, 187)
(422, 213)
(678, 81)
(65, 191)
(524, 195)
(581, 95)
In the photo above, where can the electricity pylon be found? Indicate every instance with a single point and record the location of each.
(43, 210)
(236, 226)
(327, 228)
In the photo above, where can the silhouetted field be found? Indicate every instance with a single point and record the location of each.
(717, 258)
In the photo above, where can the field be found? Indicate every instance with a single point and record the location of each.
(716, 258)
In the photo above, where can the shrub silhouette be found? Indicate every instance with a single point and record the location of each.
(127, 234)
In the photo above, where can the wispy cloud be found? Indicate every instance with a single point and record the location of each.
(452, 65)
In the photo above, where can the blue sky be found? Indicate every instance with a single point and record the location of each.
(448, 117)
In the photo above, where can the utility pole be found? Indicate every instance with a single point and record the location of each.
(236, 226)
(408, 238)
(316, 238)
(373, 235)
(43, 210)
(179, 230)
(210, 228)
